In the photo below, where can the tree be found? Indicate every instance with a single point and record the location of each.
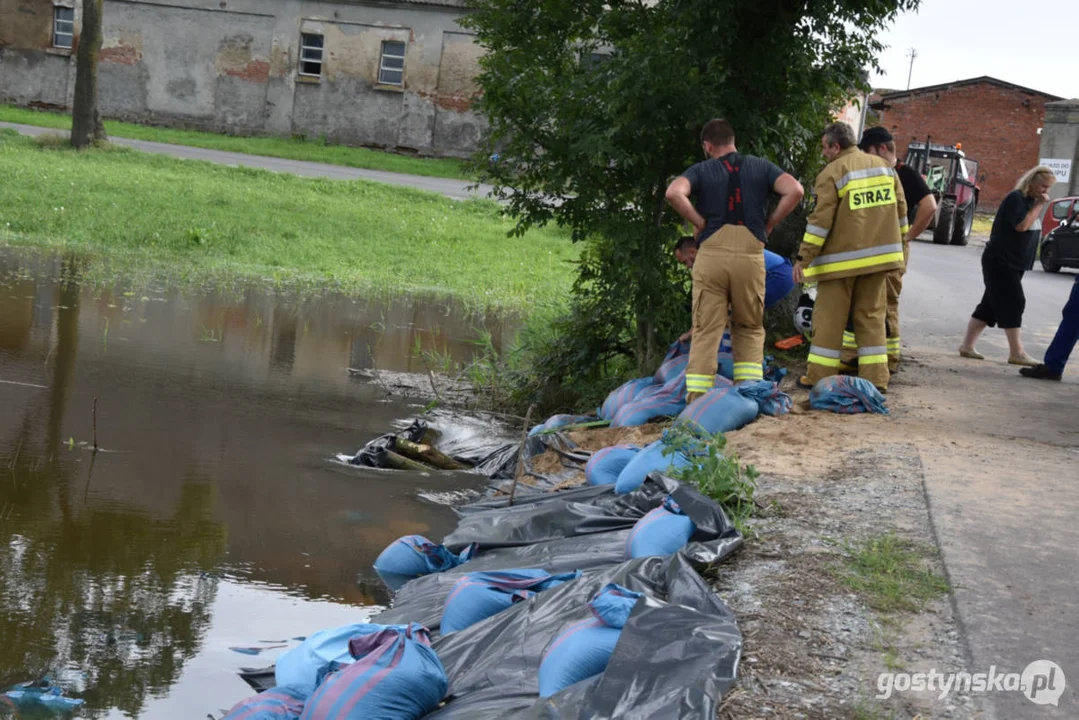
(86, 127)
(595, 105)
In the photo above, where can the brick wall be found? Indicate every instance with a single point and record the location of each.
(998, 126)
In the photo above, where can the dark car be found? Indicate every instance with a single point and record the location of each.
(1060, 248)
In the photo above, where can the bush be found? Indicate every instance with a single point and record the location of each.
(720, 476)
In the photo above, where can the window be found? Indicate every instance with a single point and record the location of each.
(63, 27)
(311, 54)
(391, 69)
(1060, 209)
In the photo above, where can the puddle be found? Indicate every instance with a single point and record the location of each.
(213, 517)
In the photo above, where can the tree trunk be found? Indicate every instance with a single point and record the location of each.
(86, 127)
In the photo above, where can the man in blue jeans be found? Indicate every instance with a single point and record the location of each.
(1056, 357)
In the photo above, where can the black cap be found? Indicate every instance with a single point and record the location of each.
(876, 135)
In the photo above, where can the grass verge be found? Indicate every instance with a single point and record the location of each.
(317, 150)
(983, 224)
(891, 573)
(192, 220)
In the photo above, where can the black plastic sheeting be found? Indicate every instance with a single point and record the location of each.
(676, 656)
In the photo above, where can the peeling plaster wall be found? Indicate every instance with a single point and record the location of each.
(231, 65)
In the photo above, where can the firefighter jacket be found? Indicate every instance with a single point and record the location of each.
(858, 225)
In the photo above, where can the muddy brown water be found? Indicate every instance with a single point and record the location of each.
(213, 517)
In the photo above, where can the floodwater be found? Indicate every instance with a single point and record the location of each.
(213, 516)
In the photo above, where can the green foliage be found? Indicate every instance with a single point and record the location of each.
(592, 146)
(720, 476)
(892, 574)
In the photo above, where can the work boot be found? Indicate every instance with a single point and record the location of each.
(1040, 372)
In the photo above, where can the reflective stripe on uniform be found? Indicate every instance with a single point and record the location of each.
(872, 359)
(812, 239)
(855, 259)
(849, 341)
(748, 371)
(699, 383)
(874, 350)
(893, 346)
(824, 356)
(904, 229)
(844, 184)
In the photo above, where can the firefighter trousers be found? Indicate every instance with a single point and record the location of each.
(864, 300)
(728, 271)
(894, 286)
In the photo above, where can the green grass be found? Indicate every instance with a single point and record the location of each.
(891, 573)
(192, 220)
(983, 224)
(291, 149)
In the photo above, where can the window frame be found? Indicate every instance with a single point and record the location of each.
(304, 59)
(70, 22)
(383, 55)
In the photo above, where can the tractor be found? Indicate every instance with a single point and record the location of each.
(952, 178)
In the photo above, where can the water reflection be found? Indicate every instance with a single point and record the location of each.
(216, 414)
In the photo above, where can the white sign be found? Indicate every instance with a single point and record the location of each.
(1061, 168)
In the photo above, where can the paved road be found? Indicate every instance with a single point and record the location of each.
(1003, 480)
(451, 188)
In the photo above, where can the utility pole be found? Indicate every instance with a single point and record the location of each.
(911, 54)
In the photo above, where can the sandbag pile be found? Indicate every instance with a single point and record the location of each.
(848, 395)
(570, 605)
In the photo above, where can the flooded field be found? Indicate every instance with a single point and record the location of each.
(213, 516)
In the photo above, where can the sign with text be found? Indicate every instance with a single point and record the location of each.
(1061, 168)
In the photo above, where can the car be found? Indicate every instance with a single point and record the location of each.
(1059, 212)
(1060, 248)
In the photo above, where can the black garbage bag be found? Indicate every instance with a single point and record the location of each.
(374, 454)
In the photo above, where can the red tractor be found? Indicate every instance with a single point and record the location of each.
(953, 179)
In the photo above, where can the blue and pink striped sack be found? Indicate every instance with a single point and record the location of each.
(657, 401)
(663, 531)
(605, 465)
(479, 595)
(396, 676)
(585, 647)
(847, 395)
(626, 393)
(411, 556)
(720, 410)
(279, 703)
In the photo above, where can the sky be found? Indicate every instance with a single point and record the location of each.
(1027, 43)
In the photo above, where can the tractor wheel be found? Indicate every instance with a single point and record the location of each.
(942, 233)
(961, 234)
(1050, 263)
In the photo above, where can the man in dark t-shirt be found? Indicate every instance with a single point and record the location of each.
(921, 207)
(731, 223)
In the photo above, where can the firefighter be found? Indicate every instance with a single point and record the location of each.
(853, 240)
(731, 221)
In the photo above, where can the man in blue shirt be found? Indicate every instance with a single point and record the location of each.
(730, 219)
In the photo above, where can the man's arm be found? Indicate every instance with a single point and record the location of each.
(678, 193)
(1035, 212)
(820, 224)
(927, 208)
(790, 194)
(901, 206)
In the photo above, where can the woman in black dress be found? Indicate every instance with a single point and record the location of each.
(1006, 257)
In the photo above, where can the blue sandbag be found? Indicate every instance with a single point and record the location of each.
(279, 703)
(657, 401)
(662, 531)
(647, 460)
(770, 399)
(411, 556)
(302, 666)
(396, 675)
(722, 409)
(846, 394)
(624, 394)
(604, 467)
(671, 369)
(40, 695)
(778, 278)
(584, 648)
(559, 421)
(479, 595)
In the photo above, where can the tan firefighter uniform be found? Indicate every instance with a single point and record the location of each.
(851, 243)
(894, 286)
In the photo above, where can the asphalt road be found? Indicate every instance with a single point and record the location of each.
(1001, 473)
(451, 188)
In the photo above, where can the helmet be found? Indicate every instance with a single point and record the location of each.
(803, 315)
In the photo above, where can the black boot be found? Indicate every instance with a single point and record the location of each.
(1041, 372)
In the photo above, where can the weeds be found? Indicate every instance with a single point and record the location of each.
(720, 476)
(891, 573)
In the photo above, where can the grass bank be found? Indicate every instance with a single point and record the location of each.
(315, 150)
(192, 220)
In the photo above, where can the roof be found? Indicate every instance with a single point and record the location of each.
(886, 95)
(463, 4)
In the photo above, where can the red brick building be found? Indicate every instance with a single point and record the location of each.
(996, 122)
